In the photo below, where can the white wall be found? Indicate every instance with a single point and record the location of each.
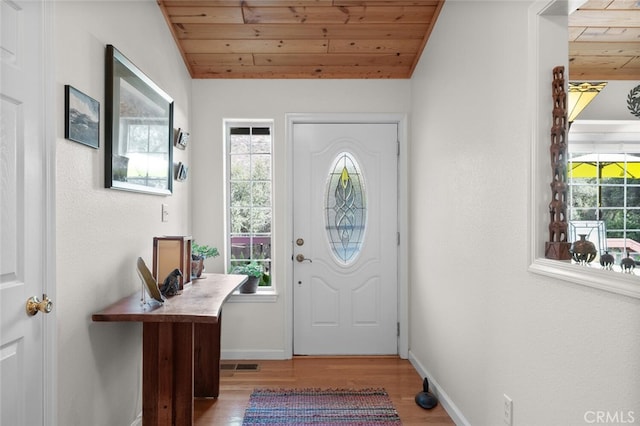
(101, 232)
(481, 324)
(259, 329)
(611, 103)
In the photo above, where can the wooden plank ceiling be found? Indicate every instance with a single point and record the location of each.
(604, 41)
(367, 38)
(301, 38)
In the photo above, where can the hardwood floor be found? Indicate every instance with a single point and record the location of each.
(396, 375)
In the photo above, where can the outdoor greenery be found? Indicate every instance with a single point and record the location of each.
(252, 269)
(250, 210)
(613, 200)
(250, 188)
(203, 251)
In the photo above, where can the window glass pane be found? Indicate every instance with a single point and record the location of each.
(240, 246)
(240, 131)
(262, 247)
(261, 144)
(633, 196)
(633, 180)
(633, 236)
(584, 196)
(612, 196)
(239, 144)
(633, 219)
(609, 170)
(158, 139)
(584, 180)
(345, 208)
(583, 214)
(614, 218)
(611, 181)
(261, 220)
(240, 220)
(240, 194)
(138, 140)
(240, 167)
(262, 194)
(260, 167)
(614, 234)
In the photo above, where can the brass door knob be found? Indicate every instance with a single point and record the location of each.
(35, 305)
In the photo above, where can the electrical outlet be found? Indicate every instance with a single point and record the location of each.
(507, 417)
(165, 212)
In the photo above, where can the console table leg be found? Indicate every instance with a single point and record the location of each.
(167, 374)
(207, 359)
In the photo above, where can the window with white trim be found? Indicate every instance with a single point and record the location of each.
(249, 203)
(604, 198)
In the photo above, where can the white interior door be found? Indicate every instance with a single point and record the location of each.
(345, 211)
(23, 209)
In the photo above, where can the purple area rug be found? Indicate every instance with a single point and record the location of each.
(321, 407)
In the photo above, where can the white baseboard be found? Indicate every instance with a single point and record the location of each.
(444, 399)
(253, 354)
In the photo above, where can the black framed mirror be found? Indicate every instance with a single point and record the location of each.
(138, 129)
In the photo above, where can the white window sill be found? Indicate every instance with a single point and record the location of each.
(261, 296)
(590, 276)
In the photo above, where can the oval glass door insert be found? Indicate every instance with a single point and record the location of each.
(345, 208)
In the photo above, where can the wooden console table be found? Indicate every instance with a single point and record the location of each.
(180, 346)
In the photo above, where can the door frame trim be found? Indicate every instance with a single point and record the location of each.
(50, 338)
(403, 207)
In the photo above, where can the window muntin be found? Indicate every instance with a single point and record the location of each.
(249, 180)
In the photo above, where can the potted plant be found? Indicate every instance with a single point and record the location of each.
(254, 271)
(198, 254)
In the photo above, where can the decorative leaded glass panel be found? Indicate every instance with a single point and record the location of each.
(345, 208)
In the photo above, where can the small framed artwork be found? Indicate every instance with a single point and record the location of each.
(82, 117)
(182, 138)
(181, 172)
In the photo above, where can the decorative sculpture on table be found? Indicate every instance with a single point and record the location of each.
(171, 284)
(628, 264)
(607, 260)
(583, 251)
(557, 247)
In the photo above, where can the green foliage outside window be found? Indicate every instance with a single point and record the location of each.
(250, 198)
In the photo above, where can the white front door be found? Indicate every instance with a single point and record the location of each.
(345, 225)
(24, 203)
